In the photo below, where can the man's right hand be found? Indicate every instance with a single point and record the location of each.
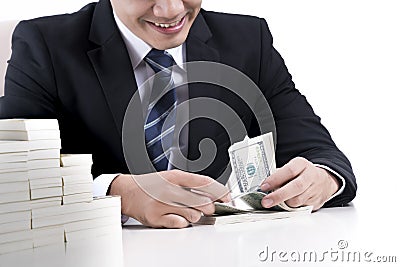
(170, 199)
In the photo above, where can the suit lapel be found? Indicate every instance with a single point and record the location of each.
(111, 62)
(197, 45)
(199, 48)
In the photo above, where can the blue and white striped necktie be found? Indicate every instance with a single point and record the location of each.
(160, 123)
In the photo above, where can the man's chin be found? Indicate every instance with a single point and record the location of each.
(167, 44)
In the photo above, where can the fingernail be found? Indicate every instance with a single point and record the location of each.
(265, 186)
(267, 203)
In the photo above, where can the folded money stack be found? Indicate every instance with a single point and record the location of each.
(43, 160)
(100, 217)
(81, 220)
(15, 217)
(31, 190)
(252, 161)
(77, 179)
(30, 174)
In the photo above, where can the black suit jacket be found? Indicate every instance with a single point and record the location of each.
(76, 68)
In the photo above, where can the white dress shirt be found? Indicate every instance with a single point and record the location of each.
(137, 50)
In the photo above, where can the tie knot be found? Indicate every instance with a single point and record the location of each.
(159, 60)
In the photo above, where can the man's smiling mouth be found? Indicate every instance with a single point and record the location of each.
(167, 25)
(169, 28)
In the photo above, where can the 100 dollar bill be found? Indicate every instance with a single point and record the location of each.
(252, 161)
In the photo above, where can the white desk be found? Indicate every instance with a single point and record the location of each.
(234, 245)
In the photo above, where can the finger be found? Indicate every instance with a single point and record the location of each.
(316, 201)
(208, 209)
(225, 198)
(288, 191)
(283, 175)
(180, 197)
(154, 216)
(301, 200)
(169, 187)
(200, 184)
(179, 217)
(194, 201)
(154, 182)
(173, 198)
(172, 221)
(205, 206)
(191, 215)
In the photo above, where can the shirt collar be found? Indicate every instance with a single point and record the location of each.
(138, 49)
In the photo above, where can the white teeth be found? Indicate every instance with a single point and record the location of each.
(166, 25)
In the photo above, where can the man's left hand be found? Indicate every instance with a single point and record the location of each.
(299, 183)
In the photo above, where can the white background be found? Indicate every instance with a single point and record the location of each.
(343, 55)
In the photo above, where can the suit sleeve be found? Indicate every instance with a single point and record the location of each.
(30, 88)
(299, 130)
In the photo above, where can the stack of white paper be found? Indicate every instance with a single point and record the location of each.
(15, 241)
(41, 138)
(48, 235)
(45, 202)
(77, 178)
(108, 223)
(82, 220)
(43, 152)
(15, 225)
(41, 202)
(29, 151)
(14, 185)
(15, 214)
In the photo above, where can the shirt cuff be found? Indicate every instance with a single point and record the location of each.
(337, 176)
(101, 184)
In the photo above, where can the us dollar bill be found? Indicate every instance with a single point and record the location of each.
(252, 161)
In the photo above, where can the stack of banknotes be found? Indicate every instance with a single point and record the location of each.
(46, 198)
(252, 161)
(77, 178)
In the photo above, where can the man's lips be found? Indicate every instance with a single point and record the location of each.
(172, 27)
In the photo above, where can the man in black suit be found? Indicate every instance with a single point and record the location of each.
(84, 68)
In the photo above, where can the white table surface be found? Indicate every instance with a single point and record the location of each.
(235, 245)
